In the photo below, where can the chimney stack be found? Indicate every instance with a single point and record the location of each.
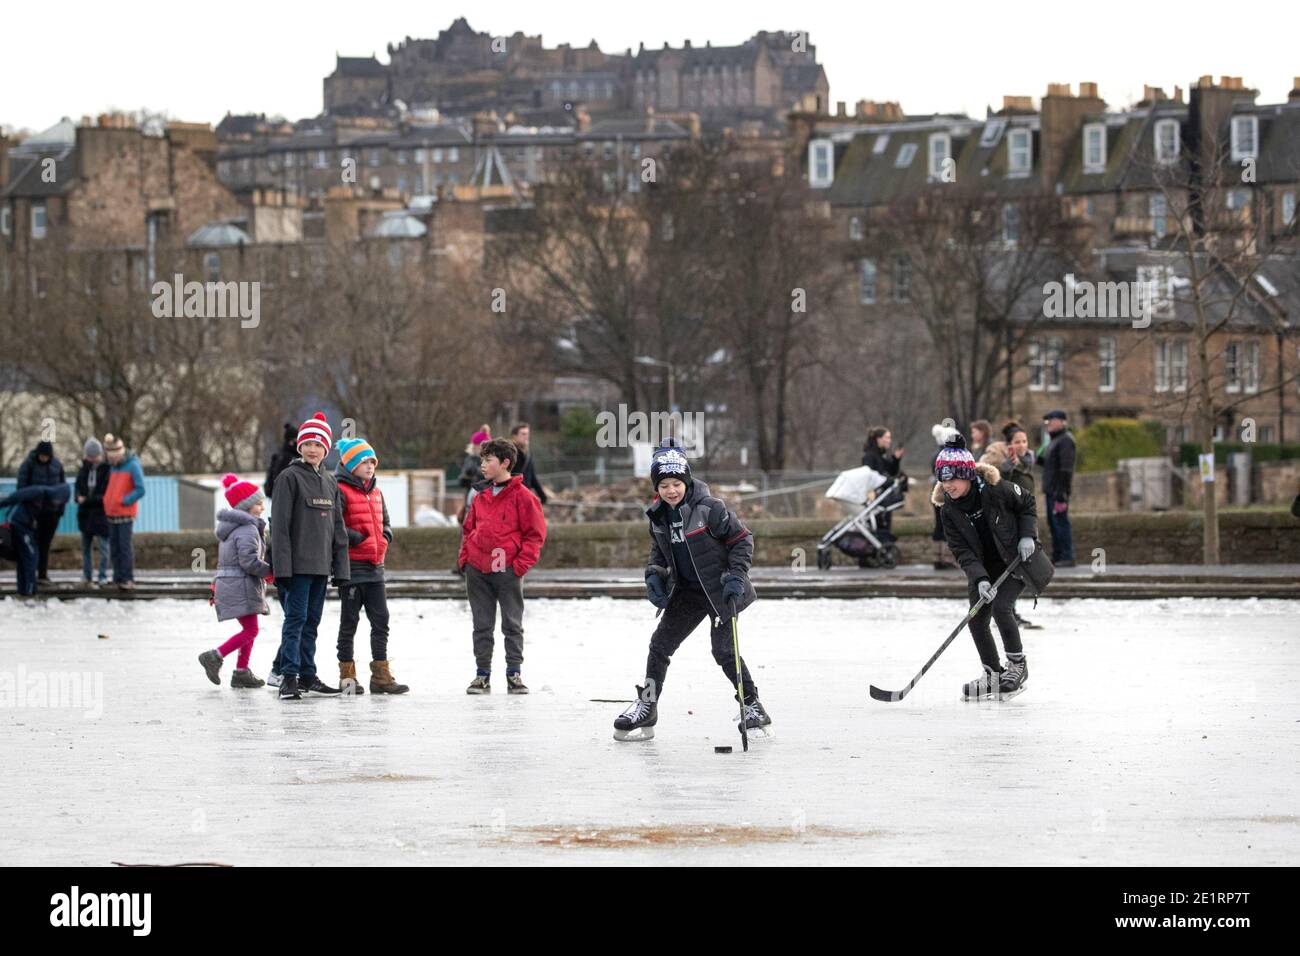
(1018, 104)
(1061, 116)
(1295, 89)
(841, 109)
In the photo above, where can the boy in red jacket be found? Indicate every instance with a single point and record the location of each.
(502, 539)
(365, 515)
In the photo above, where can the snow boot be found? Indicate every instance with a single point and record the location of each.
(382, 680)
(515, 684)
(243, 677)
(348, 683)
(985, 687)
(481, 684)
(289, 688)
(211, 661)
(638, 721)
(1015, 677)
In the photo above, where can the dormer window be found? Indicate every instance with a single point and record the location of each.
(1245, 137)
(1167, 141)
(1094, 148)
(821, 165)
(940, 151)
(1020, 152)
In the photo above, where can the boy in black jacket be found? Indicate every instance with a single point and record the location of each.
(987, 522)
(700, 554)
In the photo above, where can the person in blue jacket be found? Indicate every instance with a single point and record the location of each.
(27, 505)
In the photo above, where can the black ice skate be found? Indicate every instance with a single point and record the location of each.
(997, 685)
(1015, 677)
(638, 721)
(757, 721)
(289, 688)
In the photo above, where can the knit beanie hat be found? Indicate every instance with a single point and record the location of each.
(93, 449)
(112, 445)
(241, 494)
(45, 448)
(479, 438)
(954, 461)
(669, 461)
(353, 451)
(315, 428)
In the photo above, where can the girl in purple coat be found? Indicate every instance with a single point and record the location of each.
(239, 592)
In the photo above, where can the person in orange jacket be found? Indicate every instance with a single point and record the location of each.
(121, 505)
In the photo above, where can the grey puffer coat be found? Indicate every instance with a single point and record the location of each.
(241, 565)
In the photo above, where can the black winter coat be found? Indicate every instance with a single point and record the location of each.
(90, 513)
(718, 541)
(880, 460)
(1058, 466)
(1010, 513)
(307, 531)
(524, 466)
(33, 472)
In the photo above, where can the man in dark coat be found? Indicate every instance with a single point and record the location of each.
(27, 504)
(280, 460)
(92, 482)
(1058, 477)
(524, 466)
(42, 468)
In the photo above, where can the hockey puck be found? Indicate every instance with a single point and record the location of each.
(722, 750)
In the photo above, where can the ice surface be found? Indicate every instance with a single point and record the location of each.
(1152, 732)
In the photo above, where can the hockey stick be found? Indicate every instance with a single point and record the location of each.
(740, 683)
(891, 696)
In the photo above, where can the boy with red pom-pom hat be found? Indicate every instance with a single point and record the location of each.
(308, 544)
(239, 592)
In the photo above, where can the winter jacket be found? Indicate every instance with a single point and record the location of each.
(125, 488)
(511, 520)
(34, 472)
(1019, 473)
(1058, 466)
(718, 541)
(279, 462)
(470, 472)
(365, 515)
(307, 531)
(524, 466)
(241, 565)
(28, 502)
(92, 482)
(882, 461)
(1010, 514)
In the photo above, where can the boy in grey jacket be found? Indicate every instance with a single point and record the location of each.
(308, 544)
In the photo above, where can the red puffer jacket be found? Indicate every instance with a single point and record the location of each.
(510, 524)
(364, 511)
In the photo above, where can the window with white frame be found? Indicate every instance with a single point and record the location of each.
(1158, 288)
(1020, 152)
(401, 157)
(1158, 210)
(437, 154)
(855, 228)
(1162, 365)
(38, 220)
(905, 154)
(1094, 148)
(1238, 198)
(1232, 367)
(322, 159)
(821, 163)
(1167, 141)
(1046, 368)
(1178, 365)
(1010, 224)
(1106, 363)
(1249, 361)
(633, 183)
(992, 130)
(1266, 434)
(453, 154)
(1245, 137)
(4, 221)
(902, 279)
(940, 151)
(1288, 209)
(867, 281)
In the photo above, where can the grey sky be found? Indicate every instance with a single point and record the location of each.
(198, 61)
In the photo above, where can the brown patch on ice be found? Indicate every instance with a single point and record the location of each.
(680, 835)
(366, 778)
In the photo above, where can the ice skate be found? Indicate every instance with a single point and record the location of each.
(988, 686)
(758, 724)
(1015, 678)
(638, 721)
(289, 688)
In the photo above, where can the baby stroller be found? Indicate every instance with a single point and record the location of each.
(859, 536)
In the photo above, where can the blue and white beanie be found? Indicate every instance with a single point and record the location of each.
(669, 461)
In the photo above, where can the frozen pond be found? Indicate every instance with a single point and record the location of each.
(1152, 732)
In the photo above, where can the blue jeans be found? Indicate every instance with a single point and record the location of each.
(1062, 537)
(303, 607)
(25, 543)
(119, 539)
(87, 561)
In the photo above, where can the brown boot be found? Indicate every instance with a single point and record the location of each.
(348, 682)
(381, 680)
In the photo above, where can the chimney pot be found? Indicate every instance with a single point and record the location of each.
(1053, 89)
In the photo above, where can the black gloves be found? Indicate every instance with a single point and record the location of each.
(733, 587)
(656, 590)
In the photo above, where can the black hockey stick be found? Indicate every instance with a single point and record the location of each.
(740, 683)
(891, 696)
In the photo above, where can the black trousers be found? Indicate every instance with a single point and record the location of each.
(686, 609)
(1003, 611)
(46, 523)
(374, 598)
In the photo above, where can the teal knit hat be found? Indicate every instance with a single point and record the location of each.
(353, 451)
